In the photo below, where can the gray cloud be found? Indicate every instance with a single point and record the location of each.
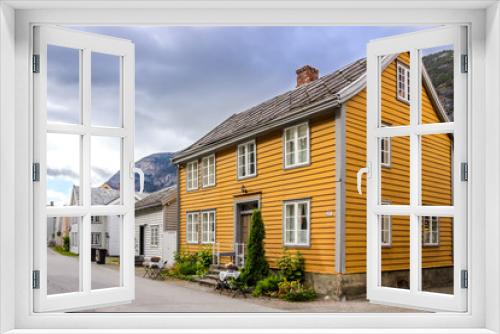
(54, 172)
(189, 79)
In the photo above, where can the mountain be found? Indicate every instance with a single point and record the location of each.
(439, 66)
(158, 171)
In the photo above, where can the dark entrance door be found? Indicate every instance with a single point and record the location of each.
(141, 239)
(245, 211)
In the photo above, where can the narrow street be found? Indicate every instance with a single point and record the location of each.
(180, 296)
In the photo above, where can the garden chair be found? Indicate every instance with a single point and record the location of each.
(154, 267)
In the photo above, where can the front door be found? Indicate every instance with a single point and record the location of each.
(417, 170)
(141, 239)
(244, 216)
(244, 226)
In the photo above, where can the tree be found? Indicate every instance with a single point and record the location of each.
(256, 266)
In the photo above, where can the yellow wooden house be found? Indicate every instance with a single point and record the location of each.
(295, 156)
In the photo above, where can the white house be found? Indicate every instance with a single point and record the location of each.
(156, 224)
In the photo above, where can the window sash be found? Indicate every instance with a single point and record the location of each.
(430, 231)
(403, 82)
(154, 236)
(297, 223)
(208, 227)
(192, 175)
(297, 145)
(208, 171)
(192, 223)
(385, 230)
(247, 159)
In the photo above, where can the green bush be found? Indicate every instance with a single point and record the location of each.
(256, 266)
(189, 264)
(66, 243)
(186, 268)
(267, 286)
(203, 261)
(291, 267)
(295, 291)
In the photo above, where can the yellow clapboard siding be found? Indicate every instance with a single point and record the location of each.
(275, 185)
(436, 179)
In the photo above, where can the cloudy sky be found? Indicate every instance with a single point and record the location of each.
(188, 79)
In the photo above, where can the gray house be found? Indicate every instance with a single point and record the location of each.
(156, 224)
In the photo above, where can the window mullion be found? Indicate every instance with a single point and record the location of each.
(85, 188)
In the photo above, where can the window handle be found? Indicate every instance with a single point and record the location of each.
(141, 178)
(365, 170)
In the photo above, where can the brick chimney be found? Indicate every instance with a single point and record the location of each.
(306, 74)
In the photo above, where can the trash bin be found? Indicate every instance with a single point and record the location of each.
(93, 254)
(101, 256)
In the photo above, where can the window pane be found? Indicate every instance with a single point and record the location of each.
(437, 254)
(63, 262)
(302, 131)
(395, 181)
(437, 81)
(63, 169)
(105, 157)
(395, 260)
(106, 95)
(437, 169)
(63, 85)
(394, 89)
(105, 257)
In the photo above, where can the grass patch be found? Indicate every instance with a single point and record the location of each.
(62, 251)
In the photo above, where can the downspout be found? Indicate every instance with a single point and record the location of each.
(178, 248)
(340, 193)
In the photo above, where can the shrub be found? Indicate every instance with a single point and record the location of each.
(203, 261)
(292, 267)
(189, 264)
(256, 266)
(267, 286)
(66, 243)
(294, 291)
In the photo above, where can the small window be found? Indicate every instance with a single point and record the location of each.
(246, 160)
(95, 220)
(385, 152)
(403, 90)
(155, 237)
(192, 222)
(430, 231)
(385, 230)
(192, 175)
(297, 145)
(96, 238)
(208, 171)
(296, 223)
(208, 227)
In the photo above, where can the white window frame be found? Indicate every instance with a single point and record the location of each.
(192, 175)
(14, 151)
(208, 171)
(295, 130)
(207, 233)
(154, 235)
(405, 69)
(295, 204)
(192, 233)
(93, 237)
(246, 155)
(386, 219)
(387, 152)
(433, 230)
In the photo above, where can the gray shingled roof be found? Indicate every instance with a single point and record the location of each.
(156, 199)
(291, 103)
(99, 195)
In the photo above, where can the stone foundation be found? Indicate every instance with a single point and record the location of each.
(353, 286)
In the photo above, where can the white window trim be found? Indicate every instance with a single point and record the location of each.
(434, 223)
(406, 69)
(99, 234)
(247, 164)
(193, 238)
(386, 164)
(208, 212)
(207, 177)
(389, 243)
(308, 138)
(192, 176)
(157, 236)
(296, 203)
(482, 202)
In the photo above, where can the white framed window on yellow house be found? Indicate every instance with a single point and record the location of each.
(296, 142)
(296, 222)
(155, 235)
(403, 83)
(385, 150)
(385, 228)
(192, 226)
(192, 175)
(430, 230)
(247, 159)
(208, 227)
(208, 171)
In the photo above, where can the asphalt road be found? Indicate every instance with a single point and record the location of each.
(180, 296)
